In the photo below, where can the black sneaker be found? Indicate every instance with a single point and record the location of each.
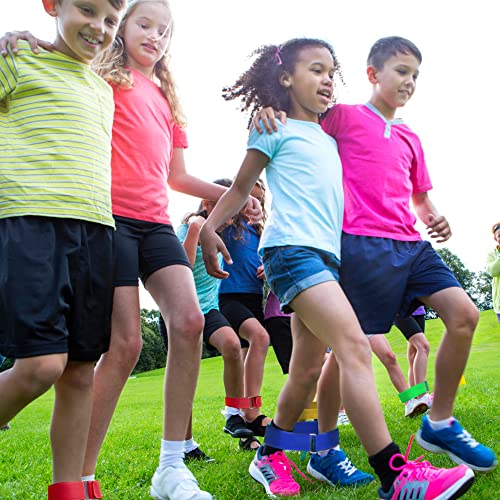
(5, 427)
(237, 427)
(197, 455)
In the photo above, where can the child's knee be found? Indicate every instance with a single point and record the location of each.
(232, 350)
(187, 328)
(42, 372)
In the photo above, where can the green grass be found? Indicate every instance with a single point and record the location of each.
(130, 453)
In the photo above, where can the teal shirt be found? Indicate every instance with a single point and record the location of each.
(207, 287)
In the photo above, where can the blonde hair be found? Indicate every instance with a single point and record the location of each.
(111, 66)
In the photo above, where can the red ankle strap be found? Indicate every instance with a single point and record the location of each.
(93, 489)
(67, 491)
(250, 402)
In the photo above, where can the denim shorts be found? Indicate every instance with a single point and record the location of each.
(383, 278)
(291, 269)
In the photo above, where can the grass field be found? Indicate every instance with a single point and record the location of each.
(130, 453)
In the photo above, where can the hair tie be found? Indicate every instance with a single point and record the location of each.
(277, 55)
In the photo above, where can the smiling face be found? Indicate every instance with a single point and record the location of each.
(146, 35)
(394, 84)
(310, 86)
(85, 28)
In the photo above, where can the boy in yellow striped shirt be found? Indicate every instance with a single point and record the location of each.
(56, 228)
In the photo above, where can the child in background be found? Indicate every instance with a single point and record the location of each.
(241, 302)
(384, 167)
(302, 268)
(278, 326)
(56, 229)
(493, 268)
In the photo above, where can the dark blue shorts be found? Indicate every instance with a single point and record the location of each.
(383, 278)
(291, 269)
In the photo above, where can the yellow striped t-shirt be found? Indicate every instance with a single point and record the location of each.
(56, 119)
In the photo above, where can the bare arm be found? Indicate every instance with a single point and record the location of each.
(493, 264)
(180, 180)
(437, 225)
(229, 205)
(190, 243)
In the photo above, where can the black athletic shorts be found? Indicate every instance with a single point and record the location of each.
(56, 288)
(280, 334)
(141, 248)
(410, 325)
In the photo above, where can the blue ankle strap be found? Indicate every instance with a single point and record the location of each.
(304, 437)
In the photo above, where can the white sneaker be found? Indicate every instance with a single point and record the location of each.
(343, 419)
(176, 483)
(417, 406)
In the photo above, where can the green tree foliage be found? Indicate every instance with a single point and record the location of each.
(476, 284)
(153, 354)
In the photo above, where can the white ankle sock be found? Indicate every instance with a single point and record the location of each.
(440, 424)
(171, 454)
(229, 411)
(90, 477)
(190, 445)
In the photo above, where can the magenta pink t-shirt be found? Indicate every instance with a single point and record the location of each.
(383, 165)
(144, 137)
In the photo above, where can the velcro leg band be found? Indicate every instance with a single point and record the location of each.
(244, 403)
(301, 440)
(93, 489)
(67, 491)
(414, 391)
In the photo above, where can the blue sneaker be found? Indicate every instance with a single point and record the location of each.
(458, 444)
(336, 469)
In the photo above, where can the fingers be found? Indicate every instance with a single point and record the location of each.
(438, 228)
(253, 210)
(10, 40)
(211, 245)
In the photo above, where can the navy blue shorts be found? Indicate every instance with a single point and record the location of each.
(141, 248)
(292, 269)
(56, 292)
(383, 278)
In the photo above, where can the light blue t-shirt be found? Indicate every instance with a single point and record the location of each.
(305, 178)
(207, 287)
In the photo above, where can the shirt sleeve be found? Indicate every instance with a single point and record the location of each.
(182, 232)
(419, 175)
(8, 75)
(330, 123)
(266, 143)
(493, 263)
(180, 137)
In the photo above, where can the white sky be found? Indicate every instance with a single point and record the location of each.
(454, 110)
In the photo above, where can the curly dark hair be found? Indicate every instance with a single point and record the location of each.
(259, 86)
(387, 47)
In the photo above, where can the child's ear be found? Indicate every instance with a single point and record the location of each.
(50, 7)
(371, 71)
(285, 79)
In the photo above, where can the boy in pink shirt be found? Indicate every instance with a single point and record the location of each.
(386, 269)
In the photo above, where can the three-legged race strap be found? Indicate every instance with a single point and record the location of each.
(414, 392)
(304, 437)
(244, 403)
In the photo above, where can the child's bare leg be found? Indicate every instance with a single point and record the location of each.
(325, 311)
(411, 353)
(114, 368)
(460, 316)
(329, 394)
(382, 349)
(258, 339)
(28, 379)
(305, 369)
(421, 348)
(228, 344)
(173, 290)
(71, 420)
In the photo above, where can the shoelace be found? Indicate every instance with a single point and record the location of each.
(418, 468)
(467, 439)
(282, 466)
(347, 466)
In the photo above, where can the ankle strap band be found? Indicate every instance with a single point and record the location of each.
(414, 392)
(244, 403)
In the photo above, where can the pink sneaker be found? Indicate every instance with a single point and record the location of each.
(274, 472)
(419, 479)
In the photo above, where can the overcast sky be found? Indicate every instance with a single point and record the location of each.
(455, 109)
